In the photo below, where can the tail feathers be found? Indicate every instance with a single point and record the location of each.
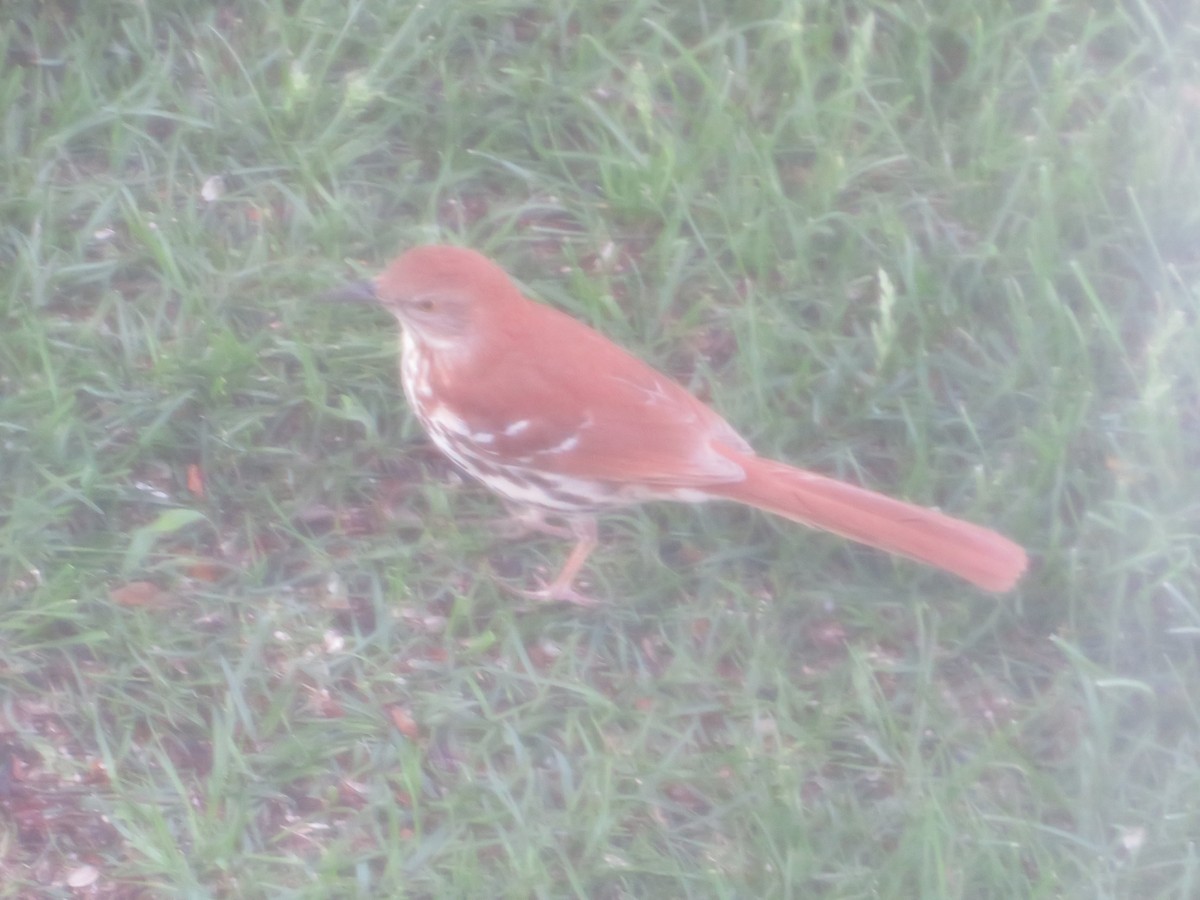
(981, 556)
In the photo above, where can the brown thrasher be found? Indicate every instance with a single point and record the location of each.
(562, 423)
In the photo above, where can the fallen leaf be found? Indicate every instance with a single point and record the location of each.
(404, 722)
(212, 189)
(138, 593)
(83, 877)
(195, 480)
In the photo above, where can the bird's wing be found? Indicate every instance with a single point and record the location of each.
(565, 399)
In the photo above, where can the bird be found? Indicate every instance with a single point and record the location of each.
(563, 424)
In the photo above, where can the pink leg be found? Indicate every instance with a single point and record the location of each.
(526, 520)
(560, 589)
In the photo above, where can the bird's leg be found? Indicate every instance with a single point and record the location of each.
(560, 589)
(523, 521)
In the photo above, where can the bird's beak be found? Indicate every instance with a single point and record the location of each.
(354, 292)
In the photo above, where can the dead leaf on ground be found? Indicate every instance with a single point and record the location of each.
(139, 594)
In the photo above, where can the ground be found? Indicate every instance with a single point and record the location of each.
(258, 639)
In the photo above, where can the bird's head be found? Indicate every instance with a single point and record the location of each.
(442, 295)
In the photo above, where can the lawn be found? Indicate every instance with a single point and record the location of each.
(258, 639)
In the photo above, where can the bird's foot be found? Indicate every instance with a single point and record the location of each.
(523, 522)
(560, 590)
(558, 593)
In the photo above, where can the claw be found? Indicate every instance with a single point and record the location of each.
(560, 590)
(551, 594)
(526, 520)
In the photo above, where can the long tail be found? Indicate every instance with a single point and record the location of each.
(981, 556)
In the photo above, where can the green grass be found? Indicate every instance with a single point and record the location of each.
(254, 634)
